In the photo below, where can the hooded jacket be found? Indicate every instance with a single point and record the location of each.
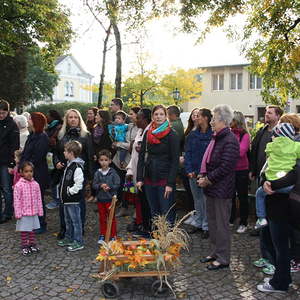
(72, 182)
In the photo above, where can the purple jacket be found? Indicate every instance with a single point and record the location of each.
(221, 168)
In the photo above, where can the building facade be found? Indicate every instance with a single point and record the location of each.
(236, 86)
(74, 83)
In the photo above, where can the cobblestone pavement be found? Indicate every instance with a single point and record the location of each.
(56, 274)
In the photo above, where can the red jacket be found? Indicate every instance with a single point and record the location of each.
(27, 199)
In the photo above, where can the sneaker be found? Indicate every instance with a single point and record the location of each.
(141, 234)
(52, 205)
(261, 222)
(34, 249)
(75, 246)
(189, 220)
(269, 269)
(266, 287)
(64, 243)
(242, 229)
(26, 251)
(260, 263)
(267, 279)
(295, 267)
(101, 239)
(113, 238)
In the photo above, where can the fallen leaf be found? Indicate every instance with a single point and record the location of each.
(55, 234)
(36, 288)
(8, 279)
(69, 290)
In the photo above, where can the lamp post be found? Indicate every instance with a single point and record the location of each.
(176, 95)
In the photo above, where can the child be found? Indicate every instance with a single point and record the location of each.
(282, 154)
(106, 183)
(15, 170)
(117, 132)
(28, 206)
(70, 194)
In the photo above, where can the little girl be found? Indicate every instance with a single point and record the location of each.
(28, 206)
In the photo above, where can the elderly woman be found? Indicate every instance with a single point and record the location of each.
(74, 129)
(218, 179)
(158, 164)
(35, 151)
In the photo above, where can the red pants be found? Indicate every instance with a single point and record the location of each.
(103, 209)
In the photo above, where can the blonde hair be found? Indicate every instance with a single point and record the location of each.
(291, 118)
(82, 126)
(240, 120)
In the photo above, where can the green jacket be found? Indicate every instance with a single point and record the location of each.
(178, 127)
(282, 154)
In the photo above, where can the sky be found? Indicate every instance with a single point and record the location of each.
(166, 48)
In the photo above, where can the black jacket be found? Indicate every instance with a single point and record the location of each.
(67, 182)
(161, 161)
(73, 134)
(290, 208)
(253, 167)
(9, 141)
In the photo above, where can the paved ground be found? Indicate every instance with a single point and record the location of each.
(55, 274)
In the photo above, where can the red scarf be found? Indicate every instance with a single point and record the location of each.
(154, 138)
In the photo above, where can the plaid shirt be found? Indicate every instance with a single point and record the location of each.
(27, 199)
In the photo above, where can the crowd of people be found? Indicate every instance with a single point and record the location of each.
(139, 157)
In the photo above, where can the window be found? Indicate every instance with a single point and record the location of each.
(236, 81)
(218, 82)
(255, 82)
(69, 68)
(71, 89)
(67, 88)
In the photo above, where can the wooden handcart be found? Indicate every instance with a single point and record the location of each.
(109, 285)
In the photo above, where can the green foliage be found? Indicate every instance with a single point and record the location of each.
(27, 23)
(270, 35)
(62, 107)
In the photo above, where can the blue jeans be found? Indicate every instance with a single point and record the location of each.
(158, 204)
(73, 222)
(199, 204)
(6, 186)
(261, 198)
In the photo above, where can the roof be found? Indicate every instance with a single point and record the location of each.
(223, 66)
(61, 58)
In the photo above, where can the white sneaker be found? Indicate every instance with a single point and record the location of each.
(189, 220)
(242, 229)
(266, 287)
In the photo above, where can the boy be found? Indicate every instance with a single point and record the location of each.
(106, 183)
(117, 132)
(282, 154)
(70, 193)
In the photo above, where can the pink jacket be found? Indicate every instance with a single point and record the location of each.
(243, 163)
(27, 199)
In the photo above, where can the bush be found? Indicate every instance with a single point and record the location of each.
(63, 107)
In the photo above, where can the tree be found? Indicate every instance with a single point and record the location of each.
(187, 82)
(270, 35)
(29, 23)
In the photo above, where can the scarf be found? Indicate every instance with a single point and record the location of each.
(53, 124)
(155, 134)
(207, 154)
(97, 133)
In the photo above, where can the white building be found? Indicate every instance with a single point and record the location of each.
(235, 86)
(74, 83)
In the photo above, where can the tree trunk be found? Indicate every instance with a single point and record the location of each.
(118, 79)
(141, 98)
(102, 75)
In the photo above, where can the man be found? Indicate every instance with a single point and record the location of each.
(9, 143)
(116, 105)
(176, 123)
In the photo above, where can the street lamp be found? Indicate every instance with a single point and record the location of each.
(176, 95)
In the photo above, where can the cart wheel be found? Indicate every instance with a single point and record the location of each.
(109, 289)
(159, 291)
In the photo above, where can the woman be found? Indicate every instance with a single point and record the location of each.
(217, 179)
(35, 151)
(130, 136)
(141, 224)
(54, 125)
(192, 121)
(196, 144)
(90, 118)
(240, 130)
(158, 164)
(73, 128)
